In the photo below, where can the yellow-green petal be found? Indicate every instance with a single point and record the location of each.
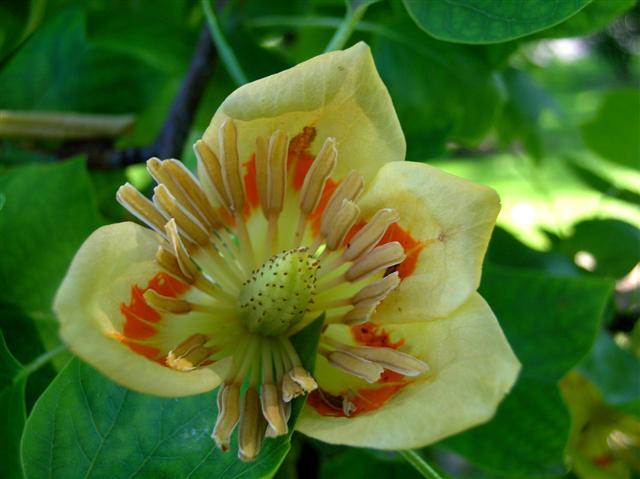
(338, 93)
(99, 280)
(471, 368)
(452, 218)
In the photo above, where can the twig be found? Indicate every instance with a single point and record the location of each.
(175, 130)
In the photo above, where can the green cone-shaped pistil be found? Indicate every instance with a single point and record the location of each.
(279, 292)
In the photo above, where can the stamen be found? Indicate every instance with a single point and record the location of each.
(167, 304)
(278, 146)
(210, 165)
(252, 427)
(365, 239)
(317, 176)
(188, 223)
(348, 189)
(272, 409)
(355, 365)
(228, 415)
(290, 389)
(379, 289)
(262, 173)
(189, 354)
(381, 257)
(140, 207)
(180, 250)
(303, 379)
(342, 223)
(392, 359)
(191, 187)
(168, 261)
(230, 163)
(361, 312)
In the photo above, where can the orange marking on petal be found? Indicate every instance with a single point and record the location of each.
(374, 335)
(146, 351)
(602, 461)
(139, 316)
(250, 186)
(316, 216)
(299, 157)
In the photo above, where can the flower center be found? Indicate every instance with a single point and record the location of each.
(278, 293)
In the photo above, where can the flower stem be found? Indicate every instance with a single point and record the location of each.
(420, 465)
(346, 28)
(224, 49)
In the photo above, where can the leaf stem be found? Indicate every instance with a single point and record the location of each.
(224, 49)
(420, 465)
(346, 28)
(40, 361)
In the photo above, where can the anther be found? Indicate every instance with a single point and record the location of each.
(199, 202)
(355, 365)
(180, 250)
(391, 359)
(290, 389)
(231, 176)
(349, 189)
(342, 223)
(228, 415)
(277, 158)
(185, 220)
(167, 304)
(209, 165)
(381, 257)
(303, 379)
(378, 289)
(189, 354)
(361, 312)
(252, 427)
(141, 207)
(317, 176)
(169, 262)
(272, 409)
(365, 239)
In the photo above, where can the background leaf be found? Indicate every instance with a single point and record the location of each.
(489, 21)
(551, 324)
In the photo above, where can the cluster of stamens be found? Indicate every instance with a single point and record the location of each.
(257, 280)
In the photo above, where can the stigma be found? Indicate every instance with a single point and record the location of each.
(263, 246)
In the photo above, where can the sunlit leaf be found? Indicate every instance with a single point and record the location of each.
(489, 21)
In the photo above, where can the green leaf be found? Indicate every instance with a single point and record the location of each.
(49, 210)
(66, 72)
(489, 21)
(612, 258)
(591, 19)
(12, 412)
(551, 323)
(615, 372)
(361, 464)
(613, 133)
(526, 438)
(95, 424)
(18, 18)
(442, 92)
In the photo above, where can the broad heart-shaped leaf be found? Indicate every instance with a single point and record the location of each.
(86, 426)
(441, 91)
(551, 323)
(59, 69)
(489, 21)
(616, 374)
(613, 133)
(612, 258)
(12, 412)
(48, 211)
(590, 19)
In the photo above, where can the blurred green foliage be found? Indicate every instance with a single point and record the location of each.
(537, 99)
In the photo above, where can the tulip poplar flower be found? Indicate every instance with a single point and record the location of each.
(301, 207)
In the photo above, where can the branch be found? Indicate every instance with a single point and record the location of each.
(175, 130)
